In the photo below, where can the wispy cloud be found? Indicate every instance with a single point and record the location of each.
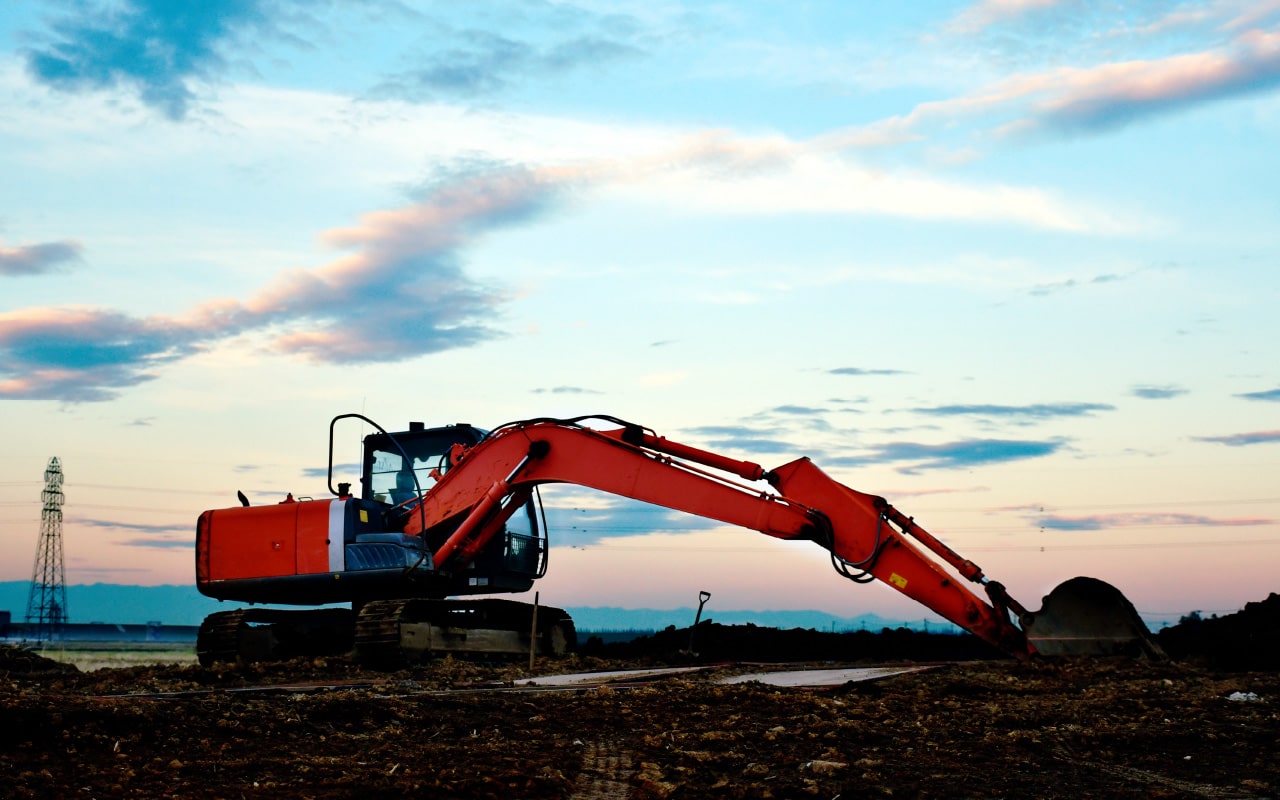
(896, 493)
(476, 63)
(349, 468)
(164, 52)
(566, 390)
(579, 517)
(38, 259)
(791, 417)
(1046, 289)
(1100, 522)
(163, 544)
(1270, 395)
(137, 527)
(1034, 411)
(106, 574)
(1158, 392)
(1250, 14)
(861, 371)
(1242, 439)
(915, 457)
(798, 411)
(740, 438)
(1102, 97)
(751, 176)
(402, 293)
(1111, 95)
(154, 48)
(84, 354)
(985, 13)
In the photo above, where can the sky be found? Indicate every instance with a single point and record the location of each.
(1011, 264)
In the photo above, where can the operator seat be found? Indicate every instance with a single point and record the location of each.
(405, 489)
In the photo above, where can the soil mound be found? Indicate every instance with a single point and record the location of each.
(20, 661)
(1246, 640)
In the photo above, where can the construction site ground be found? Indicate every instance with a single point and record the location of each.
(325, 728)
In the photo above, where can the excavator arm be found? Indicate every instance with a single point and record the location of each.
(867, 537)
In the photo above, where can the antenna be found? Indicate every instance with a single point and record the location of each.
(47, 604)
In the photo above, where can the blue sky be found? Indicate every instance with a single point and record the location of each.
(1009, 263)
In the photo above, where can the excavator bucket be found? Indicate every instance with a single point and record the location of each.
(1089, 617)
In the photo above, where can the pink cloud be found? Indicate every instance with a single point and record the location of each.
(38, 259)
(1097, 97)
(83, 354)
(401, 294)
(1144, 520)
(1242, 439)
(1114, 93)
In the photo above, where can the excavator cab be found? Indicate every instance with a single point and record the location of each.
(399, 467)
(354, 548)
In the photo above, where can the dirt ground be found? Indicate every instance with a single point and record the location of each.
(992, 728)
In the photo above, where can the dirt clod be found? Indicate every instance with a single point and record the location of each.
(1101, 728)
(1191, 727)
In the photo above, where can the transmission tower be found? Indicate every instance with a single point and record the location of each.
(47, 604)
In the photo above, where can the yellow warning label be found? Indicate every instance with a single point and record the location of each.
(898, 580)
(364, 515)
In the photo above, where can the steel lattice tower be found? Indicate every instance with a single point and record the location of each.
(47, 604)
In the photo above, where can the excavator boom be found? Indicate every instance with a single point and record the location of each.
(867, 538)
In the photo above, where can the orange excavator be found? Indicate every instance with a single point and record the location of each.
(446, 513)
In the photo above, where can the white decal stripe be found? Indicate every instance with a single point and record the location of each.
(337, 552)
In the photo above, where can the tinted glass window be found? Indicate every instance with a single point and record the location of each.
(391, 478)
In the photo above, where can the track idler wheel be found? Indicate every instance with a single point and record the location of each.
(219, 638)
(377, 635)
(262, 634)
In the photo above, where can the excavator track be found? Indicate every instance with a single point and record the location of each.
(267, 634)
(393, 633)
(219, 637)
(377, 635)
(387, 634)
